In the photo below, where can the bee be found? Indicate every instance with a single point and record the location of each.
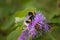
(29, 18)
(31, 14)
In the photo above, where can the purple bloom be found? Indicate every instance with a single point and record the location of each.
(38, 19)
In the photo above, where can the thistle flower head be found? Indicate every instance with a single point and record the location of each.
(38, 19)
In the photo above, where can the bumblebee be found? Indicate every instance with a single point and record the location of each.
(31, 14)
(29, 18)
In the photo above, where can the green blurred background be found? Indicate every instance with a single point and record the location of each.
(10, 29)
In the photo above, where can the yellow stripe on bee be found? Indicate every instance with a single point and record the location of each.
(29, 20)
(33, 12)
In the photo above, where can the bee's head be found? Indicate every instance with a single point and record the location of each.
(31, 13)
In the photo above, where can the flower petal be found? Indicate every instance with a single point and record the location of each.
(23, 36)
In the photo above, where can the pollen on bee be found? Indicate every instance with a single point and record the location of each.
(29, 20)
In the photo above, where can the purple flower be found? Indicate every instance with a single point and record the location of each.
(38, 19)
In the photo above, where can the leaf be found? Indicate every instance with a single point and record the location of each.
(8, 23)
(15, 34)
(56, 32)
(2, 37)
